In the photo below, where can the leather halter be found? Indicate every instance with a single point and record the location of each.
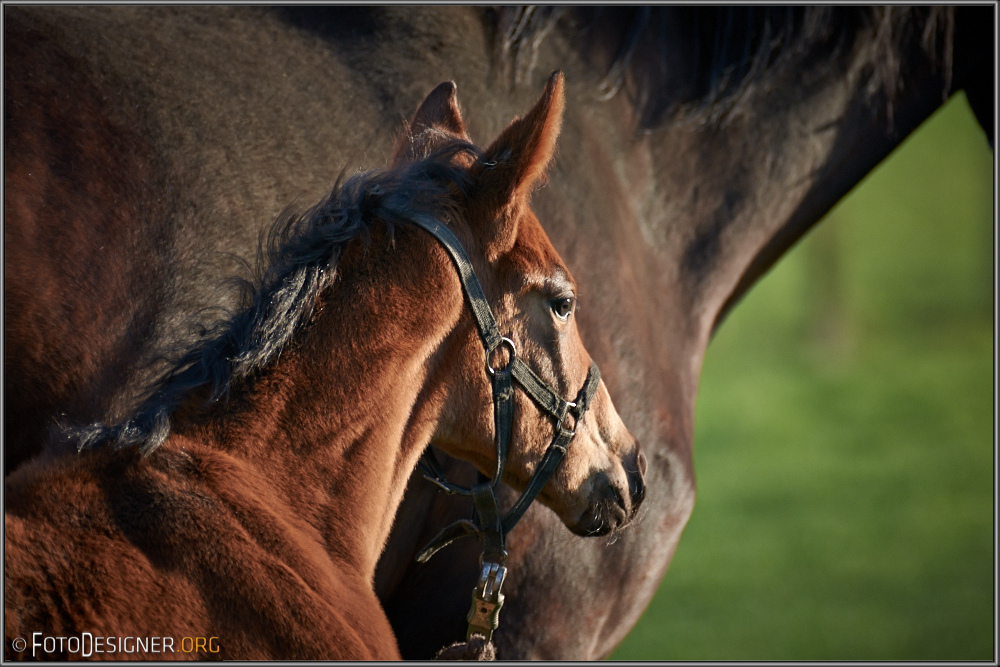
(490, 527)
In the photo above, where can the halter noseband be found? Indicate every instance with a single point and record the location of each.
(487, 524)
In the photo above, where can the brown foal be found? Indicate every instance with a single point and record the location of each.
(248, 498)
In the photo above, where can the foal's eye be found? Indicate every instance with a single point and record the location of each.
(563, 307)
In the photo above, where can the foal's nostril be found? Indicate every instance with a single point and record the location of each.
(616, 495)
(636, 484)
(637, 490)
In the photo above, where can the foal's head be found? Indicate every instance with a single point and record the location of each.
(598, 486)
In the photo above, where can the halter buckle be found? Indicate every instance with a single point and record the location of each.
(489, 353)
(576, 420)
(484, 616)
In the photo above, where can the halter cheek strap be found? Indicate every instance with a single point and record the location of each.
(485, 505)
(487, 524)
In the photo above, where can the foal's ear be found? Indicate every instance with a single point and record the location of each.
(515, 163)
(436, 121)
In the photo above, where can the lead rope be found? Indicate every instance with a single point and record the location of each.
(487, 523)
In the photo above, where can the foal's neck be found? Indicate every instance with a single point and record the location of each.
(339, 421)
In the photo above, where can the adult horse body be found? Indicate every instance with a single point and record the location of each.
(733, 132)
(249, 496)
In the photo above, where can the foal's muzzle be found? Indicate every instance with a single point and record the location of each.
(614, 500)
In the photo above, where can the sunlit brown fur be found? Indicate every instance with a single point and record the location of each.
(260, 519)
(146, 145)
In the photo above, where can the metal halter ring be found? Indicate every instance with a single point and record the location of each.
(513, 353)
(576, 419)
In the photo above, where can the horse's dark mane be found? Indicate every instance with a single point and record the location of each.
(696, 63)
(297, 259)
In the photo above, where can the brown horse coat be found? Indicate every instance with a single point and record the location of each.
(247, 514)
(145, 146)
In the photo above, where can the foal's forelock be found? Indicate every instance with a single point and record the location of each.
(297, 259)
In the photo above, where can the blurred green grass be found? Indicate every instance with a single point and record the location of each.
(844, 434)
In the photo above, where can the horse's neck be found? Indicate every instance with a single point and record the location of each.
(717, 203)
(338, 422)
(673, 225)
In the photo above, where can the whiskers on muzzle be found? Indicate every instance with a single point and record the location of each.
(618, 503)
(638, 514)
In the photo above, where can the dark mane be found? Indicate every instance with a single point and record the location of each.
(297, 259)
(695, 64)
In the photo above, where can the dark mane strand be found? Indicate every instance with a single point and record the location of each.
(696, 64)
(297, 259)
